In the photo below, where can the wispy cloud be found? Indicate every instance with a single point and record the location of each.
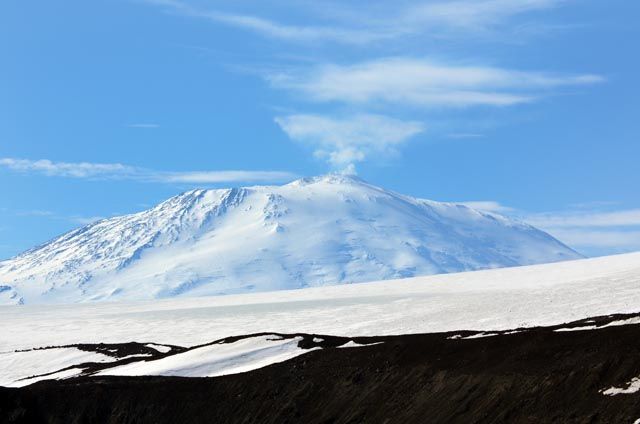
(40, 213)
(593, 231)
(34, 212)
(346, 141)
(422, 82)
(298, 33)
(400, 82)
(622, 218)
(474, 14)
(360, 26)
(86, 220)
(586, 240)
(211, 177)
(117, 171)
(67, 169)
(377, 85)
(273, 29)
(489, 206)
(587, 230)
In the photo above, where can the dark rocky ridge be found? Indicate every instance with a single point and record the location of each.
(532, 376)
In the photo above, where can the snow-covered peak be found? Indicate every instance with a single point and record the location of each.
(331, 178)
(325, 230)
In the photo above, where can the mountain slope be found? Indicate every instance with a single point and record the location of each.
(312, 232)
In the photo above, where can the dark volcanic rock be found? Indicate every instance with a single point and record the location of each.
(533, 376)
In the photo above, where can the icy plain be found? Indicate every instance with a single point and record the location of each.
(486, 300)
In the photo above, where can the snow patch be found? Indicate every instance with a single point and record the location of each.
(217, 359)
(629, 321)
(633, 386)
(588, 327)
(159, 348)
(17, 367)
(60, 375)
(479, 336)
(351, 343)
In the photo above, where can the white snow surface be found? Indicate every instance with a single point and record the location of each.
(313, 232)
(60, 375)
(488, 300)
(16, 366)
(217, 359)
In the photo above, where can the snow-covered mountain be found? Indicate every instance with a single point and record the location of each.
(312, 232)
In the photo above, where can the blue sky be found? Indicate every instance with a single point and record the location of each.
(525, 107)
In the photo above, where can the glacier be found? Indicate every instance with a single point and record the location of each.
(320, 231)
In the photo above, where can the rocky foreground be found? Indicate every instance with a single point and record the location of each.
(585, 371)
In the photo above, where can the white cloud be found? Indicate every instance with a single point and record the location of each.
(272, 29)
(474, 14)
(86, 220)
(117, 171)
(66, 169)
(210, 177)
(619, 240)
(599, 232)
(345, 141)
(297, 33)
(35, 212)
(489, 206)
(379, 22)
(389, 81)
(76, 219)
(422, 82)
(588, 231)
(629, 217)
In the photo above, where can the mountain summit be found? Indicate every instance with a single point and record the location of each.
(333, 229)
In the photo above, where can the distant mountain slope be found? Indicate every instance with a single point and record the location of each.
(312, 232)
